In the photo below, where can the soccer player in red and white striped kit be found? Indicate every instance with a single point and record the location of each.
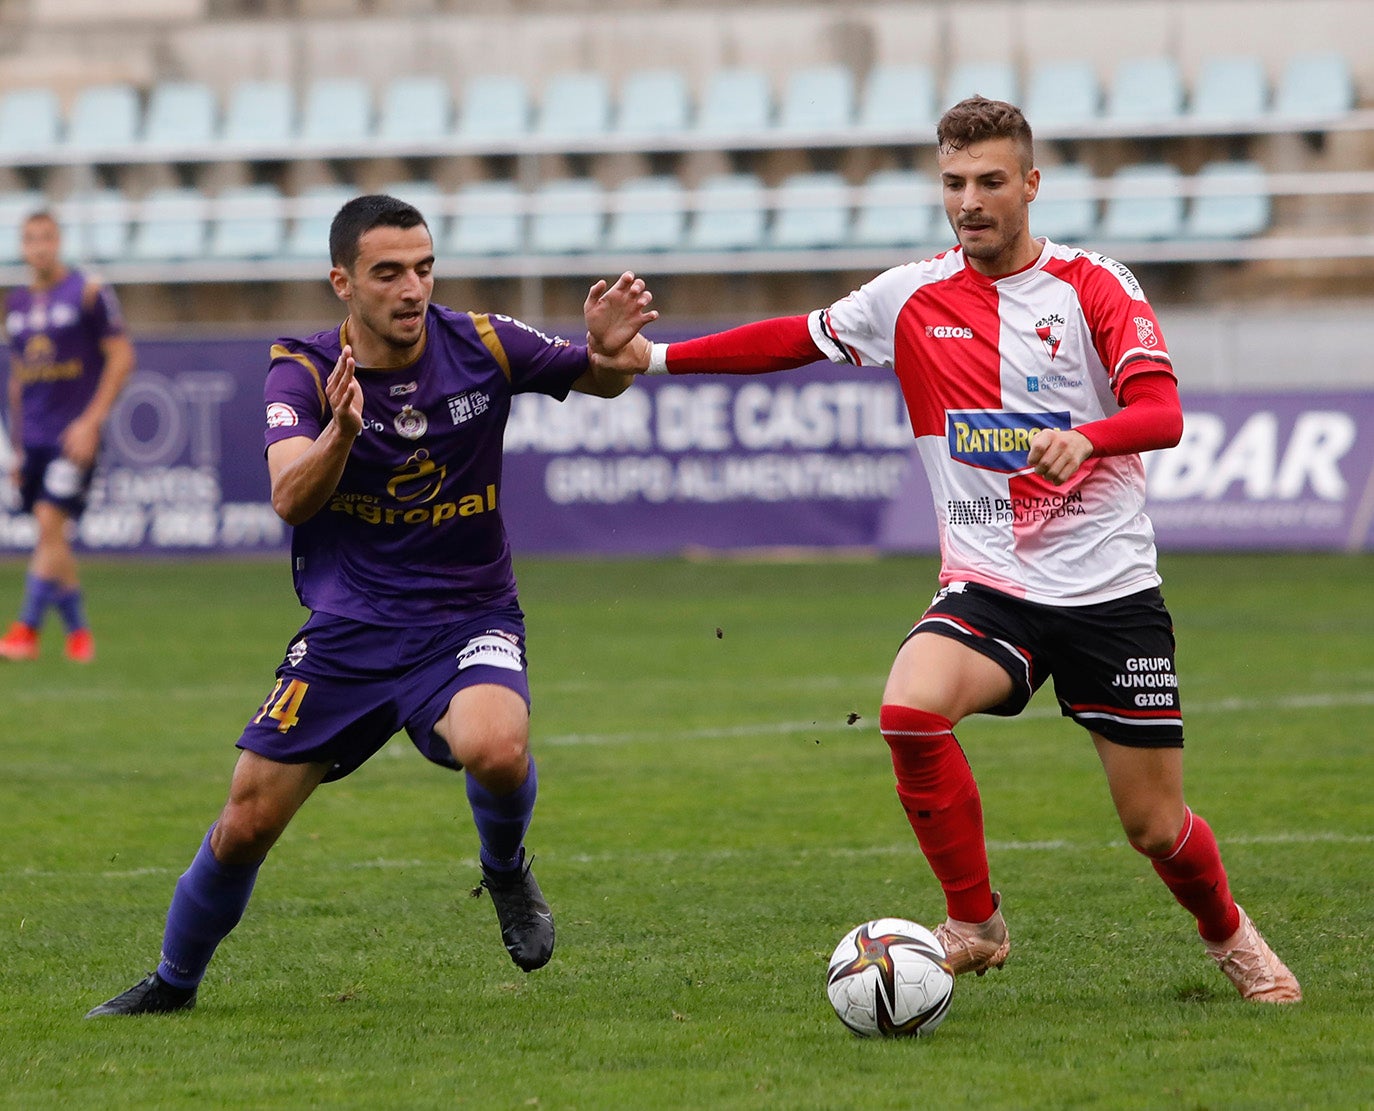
(1034, 375)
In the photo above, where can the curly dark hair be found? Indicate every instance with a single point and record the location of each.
(978, 119)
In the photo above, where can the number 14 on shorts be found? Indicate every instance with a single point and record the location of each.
(283, 704)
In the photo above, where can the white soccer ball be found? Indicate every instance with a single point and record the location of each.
(889, 978)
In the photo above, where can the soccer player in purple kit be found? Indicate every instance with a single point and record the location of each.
(384, 440)
(69, 360)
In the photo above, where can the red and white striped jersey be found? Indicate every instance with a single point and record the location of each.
(983, 363)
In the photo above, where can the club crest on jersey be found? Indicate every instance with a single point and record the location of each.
(296, 652)
(1051, 332)
(280, 415)
(1145, 329)
(411, 423)
(996, 439)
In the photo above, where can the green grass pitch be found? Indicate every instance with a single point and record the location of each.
(709, 825)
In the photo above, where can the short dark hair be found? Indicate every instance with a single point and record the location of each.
(978, 119)
(41, 214)
(359, 216)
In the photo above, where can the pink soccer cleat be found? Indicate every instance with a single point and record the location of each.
(80, 646)
(20, 643)
(1251, 965)
(975, 946)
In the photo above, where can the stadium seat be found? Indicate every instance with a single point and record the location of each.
(1230, 89)
(1063, 95)
(97, 223)
(730, 214)
(1146, 90)
(736, 102)
(1315, 85)
(103, 117)
(568, 215)
(1155, 211)
(896, 209)
(1064, 210)
(180, 114)
(1240, 209)
(308, 237)
(994, 80)
(812, 211)
(574, 106)
(818, 98)
(249, 222)
(30, 121)
(170, 225)
(648, 214)
(653, 102)
(489, 220)
(494, 106)
(260, 114)
(337, 112)
(14, 207)
(416, 109)
(898, 98)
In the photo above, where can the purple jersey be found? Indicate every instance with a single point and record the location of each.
(413, 533)
(55, 337)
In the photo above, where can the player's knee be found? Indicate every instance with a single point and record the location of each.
(245, 833)
(1149, 834)
(499, 759)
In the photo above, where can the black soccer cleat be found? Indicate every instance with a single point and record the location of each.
(153, 996)
(526, 922)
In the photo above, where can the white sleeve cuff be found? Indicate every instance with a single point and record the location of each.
(658, 359)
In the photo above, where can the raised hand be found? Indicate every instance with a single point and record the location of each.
(345, 395)
(615, 314)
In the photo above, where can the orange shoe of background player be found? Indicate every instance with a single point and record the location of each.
(20, 643)
(80, 646)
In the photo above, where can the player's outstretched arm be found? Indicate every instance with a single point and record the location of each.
(616, 351)
(306, 472)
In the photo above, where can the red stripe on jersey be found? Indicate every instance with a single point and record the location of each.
(945, 350)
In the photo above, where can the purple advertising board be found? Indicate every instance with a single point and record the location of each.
(819, 457)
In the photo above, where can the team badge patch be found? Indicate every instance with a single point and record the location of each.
(1145, 329)
(411, 423)
(296, 652)
(1051, 331)
(493, 649)
(280, 415)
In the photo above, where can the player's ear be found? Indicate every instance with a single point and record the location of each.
(1032, 184)
(342, 281)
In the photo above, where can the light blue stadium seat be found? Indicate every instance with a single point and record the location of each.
(1063, 95)
(97, 224)
(14, 207)
(249, 222)
(736, 102)
(315, 207)
(494, 106)
(994, 80)
(897, 209)
(1230, 89)
(489, 220)
(818, 98)
(260, 114)
(730, 214)
(898, 98)
(170, 225)
(568, 216)
(648, 214)
(813, 210)
(1315, 85)
(416, 108)
(180, 114)
(1156, 212)
(1146, 90)
(1240, 209)
(103, 117)
(574, 106)
(337, 110)
(1063, 210)
(654, 102)
(30, 121)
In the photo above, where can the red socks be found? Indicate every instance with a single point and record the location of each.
(940, 797)
(1193, 871)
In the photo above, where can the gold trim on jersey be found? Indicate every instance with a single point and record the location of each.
(281, 352)
(487, 334)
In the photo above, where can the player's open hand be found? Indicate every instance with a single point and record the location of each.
(615, 314)
(1057, 453)
(345, 395)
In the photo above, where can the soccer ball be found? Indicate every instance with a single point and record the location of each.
(889, 979)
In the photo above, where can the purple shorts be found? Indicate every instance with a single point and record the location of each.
(48, 475)
(346, 688)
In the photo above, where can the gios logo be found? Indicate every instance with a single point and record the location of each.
(994, 439)
(948, 331)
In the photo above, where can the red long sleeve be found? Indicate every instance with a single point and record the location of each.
(1152, 417)
(778, 344)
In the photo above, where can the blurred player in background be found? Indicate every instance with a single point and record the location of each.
(384, 447)
(1034, 375)
(69, 360)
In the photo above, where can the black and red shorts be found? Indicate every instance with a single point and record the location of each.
(1112, 662)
